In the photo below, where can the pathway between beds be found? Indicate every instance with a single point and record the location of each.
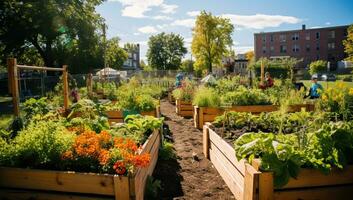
(191, 176)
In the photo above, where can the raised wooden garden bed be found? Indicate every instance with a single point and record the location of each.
(248, 182)
(118, 117)
(183, 108)
(206, 114)
(17, 183)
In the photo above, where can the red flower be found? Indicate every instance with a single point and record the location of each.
(119, 167)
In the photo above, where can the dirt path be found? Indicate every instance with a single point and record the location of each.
(191, 176)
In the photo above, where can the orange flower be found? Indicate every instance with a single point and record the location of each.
(103, 157)
(68, 155)
(104, 137)
(141, 160)
(125, 144)
(87, 144)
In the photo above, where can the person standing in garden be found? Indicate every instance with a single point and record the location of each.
(315, 88)
(269, 82)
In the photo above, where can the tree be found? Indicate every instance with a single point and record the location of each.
(115, 56)
(249, 55)
(165, 51)
(143, 65)
(187, 65)
(60, 31)
(348, 44)
(318, 66)
(211, 39)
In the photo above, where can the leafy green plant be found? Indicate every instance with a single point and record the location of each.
(33, 107)
(185, 92)
(206, 97)
(40, 145)
(243, 97)
(167, 151)
(153, 187)
(328, 147)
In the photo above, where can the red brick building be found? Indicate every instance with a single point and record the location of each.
(307, 44)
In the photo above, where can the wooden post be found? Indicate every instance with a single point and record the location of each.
(66, 88)
(13, 77)
(121, 188)
(206, 141)
(262, 72)
(89, 83)
(9, 76)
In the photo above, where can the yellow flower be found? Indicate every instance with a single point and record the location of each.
(324, 97)
(350, 91)
(340, 85)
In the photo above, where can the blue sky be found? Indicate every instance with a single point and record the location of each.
(136, 20)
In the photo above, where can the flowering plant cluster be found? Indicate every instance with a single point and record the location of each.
(111, 154)
(338, 100)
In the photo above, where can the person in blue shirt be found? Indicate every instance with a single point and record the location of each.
(314, 88)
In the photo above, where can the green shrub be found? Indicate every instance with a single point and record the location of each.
(40, 145)
(243, 97)
(206, 97)
(167, 151)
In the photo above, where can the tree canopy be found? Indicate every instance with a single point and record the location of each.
(348, 44)
(115, 55)
(165, 51)
(59, 31)
(211, 40)
(318, 66)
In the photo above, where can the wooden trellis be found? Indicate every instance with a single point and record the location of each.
(13, 69)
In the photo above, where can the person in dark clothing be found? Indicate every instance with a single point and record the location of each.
(298, 85)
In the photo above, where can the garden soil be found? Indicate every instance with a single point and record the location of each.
(191, 175)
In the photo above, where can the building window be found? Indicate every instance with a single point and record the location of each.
(272, 49)
(271, 38)
(282, 38)
(307, 36)
(331, 45)
(317, 35)
(263, 49)
(295, 48)
(295, 36)
(135, 56)
(317, 46)
(331, 34)
(283, 49)
(263, 38)
(307, 47)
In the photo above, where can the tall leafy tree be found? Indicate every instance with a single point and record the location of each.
(115, 55)
(348, 44)
(61, 31)
(211, 40)
(165, 51)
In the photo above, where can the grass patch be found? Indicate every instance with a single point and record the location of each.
(5, 120)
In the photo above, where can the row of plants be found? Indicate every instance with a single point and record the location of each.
(48, 139)
(232, 91)
(286, 142)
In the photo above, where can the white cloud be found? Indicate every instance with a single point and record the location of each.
(260, 21)
(137, 34)
(314, 27)
(184, 22)
(168, 9)
(328, 23)
(162, 17)
(138, 8)
(193, 13)
(163, 26)
(148, 29)
(243, 49)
